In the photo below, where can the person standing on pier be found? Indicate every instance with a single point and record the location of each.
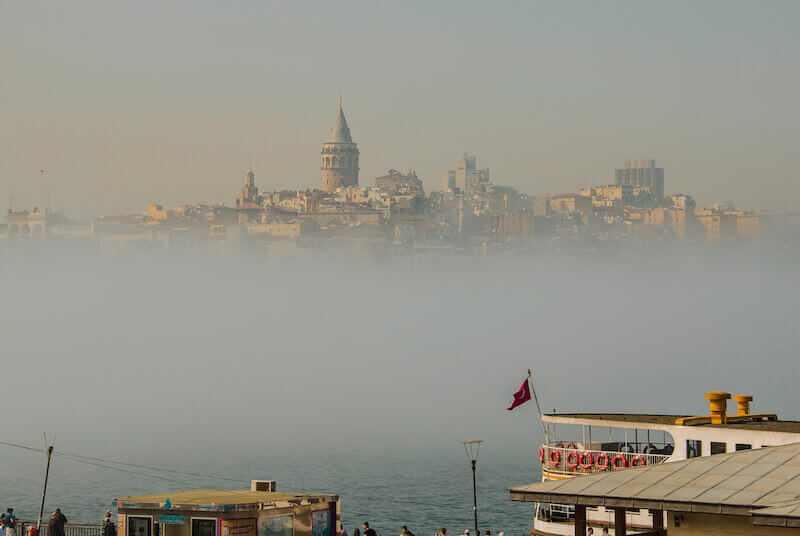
(109, 529)
(368, 531)
(10, 523)
(55, 527)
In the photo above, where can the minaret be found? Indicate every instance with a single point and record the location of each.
(339, 156)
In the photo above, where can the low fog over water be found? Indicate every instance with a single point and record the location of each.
(362, 379)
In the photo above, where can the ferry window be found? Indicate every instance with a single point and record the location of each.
(139, 526)
(717, 447)
(743, 446)
(694, 448)
(204, 527)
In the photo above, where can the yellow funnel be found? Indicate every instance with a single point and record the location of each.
(718, 405)
(744, 403)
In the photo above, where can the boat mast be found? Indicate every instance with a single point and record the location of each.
(538, 407)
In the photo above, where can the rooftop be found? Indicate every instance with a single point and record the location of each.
(669, 420)
(215, 499)
(740, 483)
(340, 133)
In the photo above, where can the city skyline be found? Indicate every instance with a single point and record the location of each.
(124, 105)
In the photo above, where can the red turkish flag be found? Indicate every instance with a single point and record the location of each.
(521, 396)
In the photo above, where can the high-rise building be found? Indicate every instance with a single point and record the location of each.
(466, 175)
(339, 156)
(641, 173)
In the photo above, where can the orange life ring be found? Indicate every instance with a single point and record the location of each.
(619, 457)
(555, 457)
(604, 457)
(638, 461)
(582, 457)
(573, 455)
(541, 454)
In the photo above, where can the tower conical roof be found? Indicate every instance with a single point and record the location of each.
(340, 133)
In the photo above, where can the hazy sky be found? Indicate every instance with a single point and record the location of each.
(125, 103)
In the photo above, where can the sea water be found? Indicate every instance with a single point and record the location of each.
(387, 487)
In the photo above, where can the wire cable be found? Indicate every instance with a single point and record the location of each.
(87, 459)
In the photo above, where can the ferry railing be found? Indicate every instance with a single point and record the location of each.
(70, 529)
(559, 460)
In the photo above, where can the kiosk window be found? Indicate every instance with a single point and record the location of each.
(694, 448)
(743, 446)
(139, 526)
(717, 447)
(204, 527)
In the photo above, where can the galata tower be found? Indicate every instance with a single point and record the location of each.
(339, 156)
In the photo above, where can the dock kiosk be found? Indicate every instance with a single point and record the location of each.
(229, 513)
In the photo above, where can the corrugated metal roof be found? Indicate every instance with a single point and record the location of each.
(752, 478)
(787, 510)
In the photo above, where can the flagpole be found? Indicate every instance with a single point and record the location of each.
(538, 407)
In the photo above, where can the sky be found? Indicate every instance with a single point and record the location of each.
(108, 106)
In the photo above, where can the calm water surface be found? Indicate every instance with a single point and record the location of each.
(425, 491)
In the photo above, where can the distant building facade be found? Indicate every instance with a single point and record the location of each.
(641, 173)
(339, 156)
(466, 176)
(249, 192)
(35, 224)
(394, 180)
(612, 195)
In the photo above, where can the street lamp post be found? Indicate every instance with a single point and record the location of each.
(472, 448)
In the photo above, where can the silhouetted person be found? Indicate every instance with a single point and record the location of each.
(368, 531)
(109, 529)
(55, 527)
(11, 523)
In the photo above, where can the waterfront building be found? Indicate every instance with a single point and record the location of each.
(747, 224)
(641, 173)
(339, 156)
(33, 224)
(716, 225)
(611, 195)
(258, 512)
(466, 176)
(570, 203)
(682, 201)
(157, 213)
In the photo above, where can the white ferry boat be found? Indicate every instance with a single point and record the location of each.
(582, 443)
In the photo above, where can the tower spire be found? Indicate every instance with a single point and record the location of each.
(340, 101)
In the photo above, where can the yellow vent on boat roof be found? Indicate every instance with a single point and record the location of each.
(744, 403)
(718, 405)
